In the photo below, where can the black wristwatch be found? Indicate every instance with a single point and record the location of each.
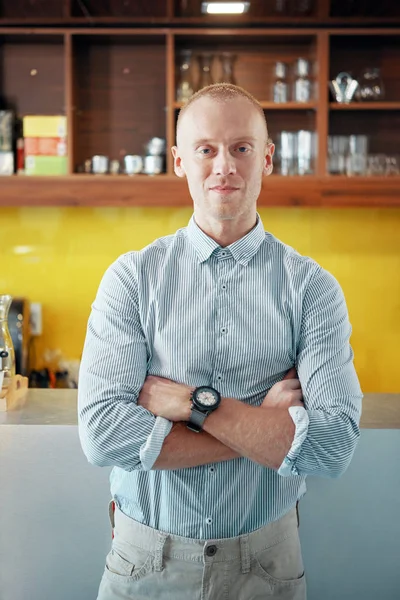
(204, 401)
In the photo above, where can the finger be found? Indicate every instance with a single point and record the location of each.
(296, 396)
(290, 384)
(291, 374)
(297, 403)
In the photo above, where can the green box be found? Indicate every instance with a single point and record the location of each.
(46, 165)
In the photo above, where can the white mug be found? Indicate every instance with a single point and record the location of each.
(133, 164)
(100, 164)
(153, 165)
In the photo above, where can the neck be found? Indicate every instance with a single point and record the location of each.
(226, 232)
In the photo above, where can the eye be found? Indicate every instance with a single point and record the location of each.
(243, 149)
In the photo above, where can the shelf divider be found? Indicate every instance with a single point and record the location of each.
(69, 100)
(322, 111)
(170, 113)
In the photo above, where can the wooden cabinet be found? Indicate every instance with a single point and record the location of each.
(113, 67)
(380, 120)
(119, 94)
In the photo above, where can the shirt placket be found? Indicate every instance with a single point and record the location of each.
(222, 336)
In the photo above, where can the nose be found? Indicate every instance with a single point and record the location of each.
(224, 163)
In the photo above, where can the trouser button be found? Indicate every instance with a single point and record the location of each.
(211, 550)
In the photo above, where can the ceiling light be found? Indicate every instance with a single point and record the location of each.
(224, 8)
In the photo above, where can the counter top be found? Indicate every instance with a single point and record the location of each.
(58, 407)
(44, 407)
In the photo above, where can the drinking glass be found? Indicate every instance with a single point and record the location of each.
(356, 163)
(338, 149)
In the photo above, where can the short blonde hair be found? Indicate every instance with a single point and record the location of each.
(223, 92)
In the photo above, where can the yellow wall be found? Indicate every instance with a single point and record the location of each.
(63, 252)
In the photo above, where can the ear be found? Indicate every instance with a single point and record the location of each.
(268, 165)
(178, 165)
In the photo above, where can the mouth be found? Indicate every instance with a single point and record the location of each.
(223, 189)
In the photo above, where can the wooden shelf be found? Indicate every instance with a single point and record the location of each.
(289, 106)
(170, 191)
(267, 105)
(365, 106)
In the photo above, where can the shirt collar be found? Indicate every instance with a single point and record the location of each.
(242, 250)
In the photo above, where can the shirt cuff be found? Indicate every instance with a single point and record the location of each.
(300, 419)
(150, 450)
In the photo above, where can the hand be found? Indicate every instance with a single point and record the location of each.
(285, 393)
(165, 398)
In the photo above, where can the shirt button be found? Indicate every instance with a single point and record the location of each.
(219, 377)
(223, 286)
(211, 469)
(208, 521)
(211, 550)
(223, 253)
(223, 330)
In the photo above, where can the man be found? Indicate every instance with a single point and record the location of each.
(216, 375)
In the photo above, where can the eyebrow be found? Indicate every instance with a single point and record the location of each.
(245, 138)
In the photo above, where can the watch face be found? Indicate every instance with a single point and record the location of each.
(206, 397)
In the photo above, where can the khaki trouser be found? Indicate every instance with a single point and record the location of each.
(146, 564)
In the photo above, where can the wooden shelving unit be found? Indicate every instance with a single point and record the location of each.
(365, 106)
(115, 77)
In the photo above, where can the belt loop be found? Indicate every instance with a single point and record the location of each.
(158, 555)
(245, 553)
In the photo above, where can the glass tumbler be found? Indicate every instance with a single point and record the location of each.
(287, 152)
(338, 149)
(356, 163)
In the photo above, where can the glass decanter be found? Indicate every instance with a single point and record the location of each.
(205, 63)
(227, 63)
(185, 86)
(7, 356)
(280, 85)
(302, 84)
(371, 85)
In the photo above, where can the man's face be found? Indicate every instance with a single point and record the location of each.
(223, 152)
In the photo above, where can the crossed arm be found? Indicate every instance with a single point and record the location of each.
(116, 419)
(263, 434)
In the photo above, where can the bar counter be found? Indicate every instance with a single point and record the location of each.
(59, 407)
(54, 520)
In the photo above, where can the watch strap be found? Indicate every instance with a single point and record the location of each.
(196, 420)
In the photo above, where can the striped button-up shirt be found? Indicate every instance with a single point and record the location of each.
(237, 319)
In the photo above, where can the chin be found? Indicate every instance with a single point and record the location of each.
(225, 217)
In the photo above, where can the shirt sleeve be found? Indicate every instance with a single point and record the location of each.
(326, 436)
(300, 419)
(113, 429)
